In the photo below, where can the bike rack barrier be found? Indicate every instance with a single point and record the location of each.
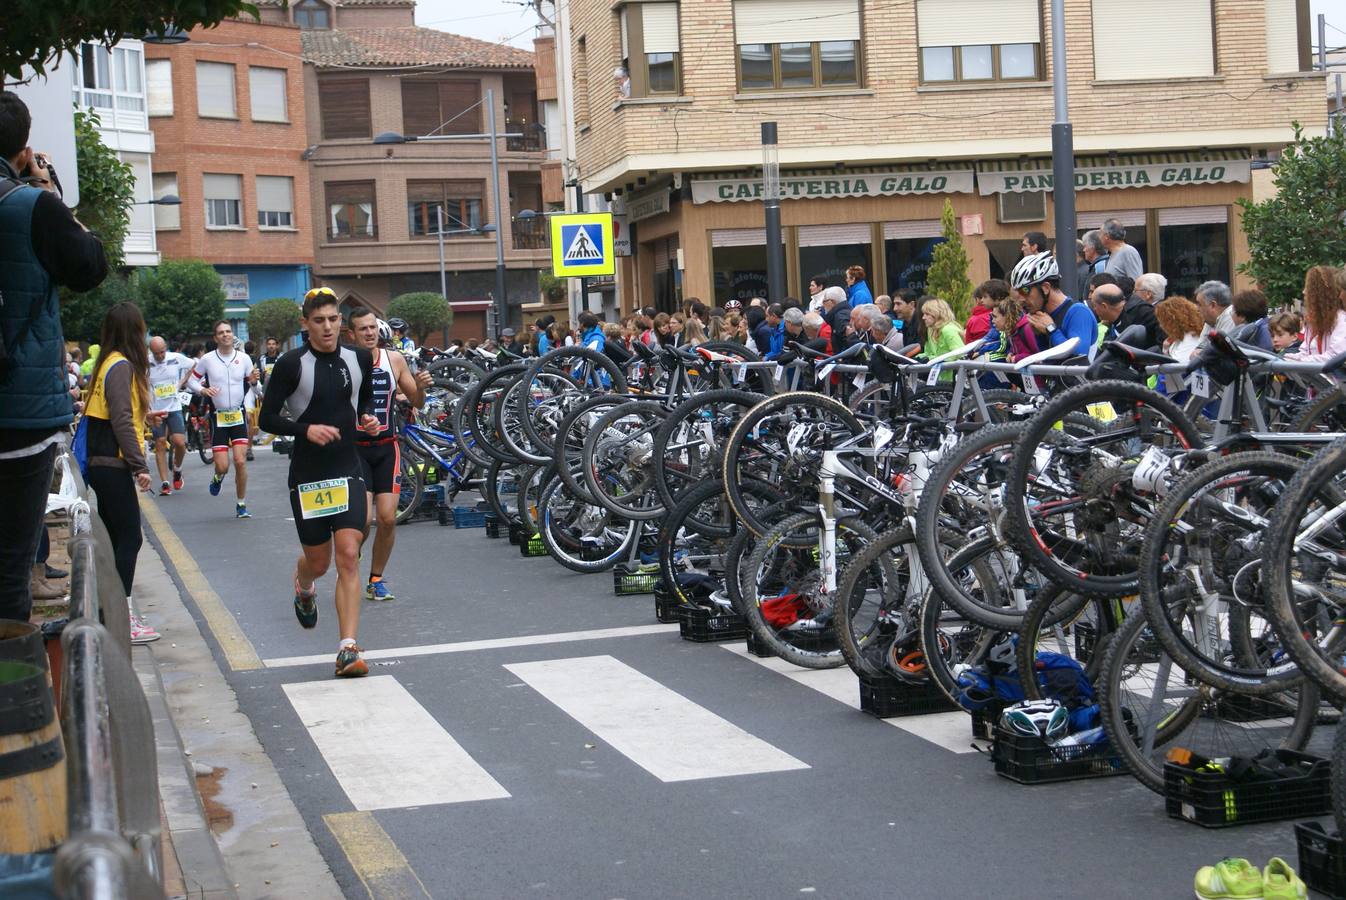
(114, 846)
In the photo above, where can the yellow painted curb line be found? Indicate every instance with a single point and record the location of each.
(382, 868)
(237, 649)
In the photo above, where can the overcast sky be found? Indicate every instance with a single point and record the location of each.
(511, 21)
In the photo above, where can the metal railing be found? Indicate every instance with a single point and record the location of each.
(529, 234)
(530, 139)
(113, 850)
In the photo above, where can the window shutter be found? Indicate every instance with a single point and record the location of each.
(833, 235)
(454, 97)
(344, 105)
(425, 191)
(1090, 221)
(969, 23)
(463, 190)
(215, 90)
(159, 86)
(1194, 215)
(420, 107)
(917, 228)
(223, 187)
(275, 193)
(1153, 39)
(661, 27)
(266, 90)
(789, 21)
(1282, 36)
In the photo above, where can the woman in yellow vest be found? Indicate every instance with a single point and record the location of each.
(116, 405)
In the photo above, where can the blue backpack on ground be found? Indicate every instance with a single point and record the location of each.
(1059, 677)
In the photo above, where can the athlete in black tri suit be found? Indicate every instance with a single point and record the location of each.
(326, 388)
(380, 452)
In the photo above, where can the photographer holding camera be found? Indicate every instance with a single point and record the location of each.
(42, 246)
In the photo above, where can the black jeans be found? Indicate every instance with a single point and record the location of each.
(119, 508)
(24, 485)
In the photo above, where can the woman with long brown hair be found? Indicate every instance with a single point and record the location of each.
(116, 406)
(1324, 317)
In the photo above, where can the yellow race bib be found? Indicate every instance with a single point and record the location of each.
(228, 418)
(324, 498)
(165, 390)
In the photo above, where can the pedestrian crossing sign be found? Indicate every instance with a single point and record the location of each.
(581, 244)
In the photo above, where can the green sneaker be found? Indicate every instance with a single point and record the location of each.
(1279, 882)
(1229, 879)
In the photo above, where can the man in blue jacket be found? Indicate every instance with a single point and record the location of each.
(1037, 279)
(41, 246)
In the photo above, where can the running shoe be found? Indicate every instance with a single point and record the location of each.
(249, 457)
(142, 633)
(177, 480)
(305, 606)
(55, 574)
(1279, 882)
(163, 489)
(215, 483)
(241, 512)
(378, 590)
(1229, 879)
(349, 664)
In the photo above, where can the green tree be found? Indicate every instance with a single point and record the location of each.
(106, 188)
(38, 32)
(182, 297)
(82, 314)
(1304, 225)
(424, 312)
(947, 276)
(277, 318)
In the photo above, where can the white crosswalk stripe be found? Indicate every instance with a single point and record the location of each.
(658, 729)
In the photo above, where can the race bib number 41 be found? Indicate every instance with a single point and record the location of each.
(324, 498)
(228, 418)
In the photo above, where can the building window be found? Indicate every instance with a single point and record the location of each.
(350, 210)
(129, 87)
(166, 218)
(1000, 42)
(344, 106)
(738, 263)
(312, 14)
(224, 201)
(95, 75)
(651, 48)
(159, 86)
(1287, 46)
(908, 250)
(1193, 247)
(797, 46)
(1153, 39)
(460, 200)
(275, 201)
(441, 107)
(110, 79)
(266, 94)
(215, 91)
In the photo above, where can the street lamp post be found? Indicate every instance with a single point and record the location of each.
(775, 253)
(1063, 155)
(392, 137)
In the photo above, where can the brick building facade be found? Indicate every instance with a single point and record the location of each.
(228, 113)
(886, 110)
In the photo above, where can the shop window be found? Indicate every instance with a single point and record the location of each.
(461, 202)
(797, 44)
(1193, 247)
(351, 211)
(829, 250)
(908, 249)
(740, 273)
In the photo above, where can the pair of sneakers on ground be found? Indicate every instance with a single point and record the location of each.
(1238, 879)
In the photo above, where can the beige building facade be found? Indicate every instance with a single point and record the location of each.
(885, 111)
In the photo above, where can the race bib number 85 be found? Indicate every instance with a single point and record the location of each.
(324, 498)
(228, 418)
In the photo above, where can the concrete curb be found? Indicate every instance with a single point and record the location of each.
(266, 850)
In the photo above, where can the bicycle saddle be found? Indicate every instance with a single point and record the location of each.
(1061, 350)
(1137, 357)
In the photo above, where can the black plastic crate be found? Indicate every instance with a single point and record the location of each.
(984, 720)
(515, 533)
(1030, 760)
(1213, 800)
(756, 647)
(1086, 636)
(492, 525)
(697, 623)
(531, 545)
(667, 606)
(890, 698)
(628, 580)
(1322, 860)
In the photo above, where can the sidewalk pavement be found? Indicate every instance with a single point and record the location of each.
(260, 846)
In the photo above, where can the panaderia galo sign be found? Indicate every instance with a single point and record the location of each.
(816, 187)
(1104, 178)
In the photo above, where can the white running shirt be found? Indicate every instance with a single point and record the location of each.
(164, 380)
(228, 373)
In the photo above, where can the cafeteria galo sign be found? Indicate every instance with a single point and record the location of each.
(815, 187)
(1105, 178)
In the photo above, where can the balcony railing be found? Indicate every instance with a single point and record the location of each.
(532, 140)
(529, 234)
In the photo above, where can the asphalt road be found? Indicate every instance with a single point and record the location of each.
(638, 765)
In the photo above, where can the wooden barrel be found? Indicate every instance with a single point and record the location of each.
(25, 642)
(32, 761)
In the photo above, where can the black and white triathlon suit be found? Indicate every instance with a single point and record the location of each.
(327, 489)
(381, 455)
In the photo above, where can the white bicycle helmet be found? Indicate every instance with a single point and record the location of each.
(385, 333)
(1045, 719)
(1033, 270)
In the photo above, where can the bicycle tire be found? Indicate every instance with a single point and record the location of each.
(455, 375)
(411, 477)
(673, 425)
(557, 357)
(1339, 776)
(481, 413)
(571, 554)
(569, 455)
(599, 438)
(490, 492)
(1055, 608)
(1024, 532)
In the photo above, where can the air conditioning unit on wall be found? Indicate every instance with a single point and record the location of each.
(1025, 207)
